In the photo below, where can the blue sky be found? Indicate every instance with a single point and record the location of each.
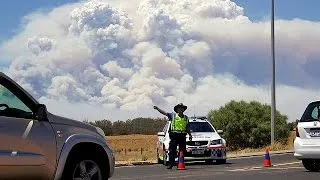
(284, 9)
(12, 11)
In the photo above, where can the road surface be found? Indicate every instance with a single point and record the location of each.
(284, 167)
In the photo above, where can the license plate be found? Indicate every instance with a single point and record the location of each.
(314, 133)
(198, 151)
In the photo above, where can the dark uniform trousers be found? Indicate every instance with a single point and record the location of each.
(176, 139)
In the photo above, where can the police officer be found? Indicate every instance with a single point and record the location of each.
(178, 130)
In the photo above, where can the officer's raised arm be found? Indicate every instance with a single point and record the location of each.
(161, 111)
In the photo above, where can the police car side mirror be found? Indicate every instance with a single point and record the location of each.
(160, 133)
(220, 131)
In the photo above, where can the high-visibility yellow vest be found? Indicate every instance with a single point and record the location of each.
(179, 124)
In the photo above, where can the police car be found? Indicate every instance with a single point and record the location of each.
(206, 145)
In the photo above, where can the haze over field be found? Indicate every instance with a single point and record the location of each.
(115, 59)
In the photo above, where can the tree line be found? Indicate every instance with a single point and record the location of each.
(245, 124)
(144, 126)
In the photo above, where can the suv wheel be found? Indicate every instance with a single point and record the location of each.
(84, 167)
(311, 164)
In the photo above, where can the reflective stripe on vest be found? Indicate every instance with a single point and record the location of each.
(178, 124)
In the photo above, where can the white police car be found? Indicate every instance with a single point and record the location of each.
(206, 144)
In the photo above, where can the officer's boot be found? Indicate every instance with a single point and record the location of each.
(171, 163)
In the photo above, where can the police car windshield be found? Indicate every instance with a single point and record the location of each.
(201, 127)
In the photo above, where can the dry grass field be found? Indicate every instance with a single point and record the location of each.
(133, 147)
(143, 147)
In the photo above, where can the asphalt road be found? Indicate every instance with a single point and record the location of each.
(284, 167)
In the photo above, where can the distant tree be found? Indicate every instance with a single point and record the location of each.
(147, 126)
(120, 128)
(292, 125)
(105, 125)
(247, 125)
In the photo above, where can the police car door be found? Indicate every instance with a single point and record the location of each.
(163, 139)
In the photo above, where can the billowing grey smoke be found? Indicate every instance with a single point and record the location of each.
(203, 53)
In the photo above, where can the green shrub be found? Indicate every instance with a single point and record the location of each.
(247, 125)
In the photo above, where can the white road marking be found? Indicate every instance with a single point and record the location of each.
(260, 167)
(261, 155)
(297, 162)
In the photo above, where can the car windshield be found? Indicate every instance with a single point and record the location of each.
(201, 127)
(312, 112)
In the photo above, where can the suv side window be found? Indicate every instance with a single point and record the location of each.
(12, 106)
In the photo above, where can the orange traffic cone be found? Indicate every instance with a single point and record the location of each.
(181, 165)
(267, 162)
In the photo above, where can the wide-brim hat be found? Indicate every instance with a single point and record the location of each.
(180, 106)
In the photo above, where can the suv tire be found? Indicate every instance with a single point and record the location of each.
(75, 164)
(312, 165)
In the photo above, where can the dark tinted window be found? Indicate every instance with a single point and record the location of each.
(12, 106)
(311, 113)
(201, 127)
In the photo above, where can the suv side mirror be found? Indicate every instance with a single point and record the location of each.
(42, 112)
(160, 133)
(220, 131)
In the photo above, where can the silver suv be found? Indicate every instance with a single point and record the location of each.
(36, 144)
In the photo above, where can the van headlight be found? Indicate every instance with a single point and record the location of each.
(216, 142)
(100, 131)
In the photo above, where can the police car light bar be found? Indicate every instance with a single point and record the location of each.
(199, 117)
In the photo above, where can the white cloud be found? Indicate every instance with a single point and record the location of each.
(114, 70)
(38, 45)
(115, 59)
